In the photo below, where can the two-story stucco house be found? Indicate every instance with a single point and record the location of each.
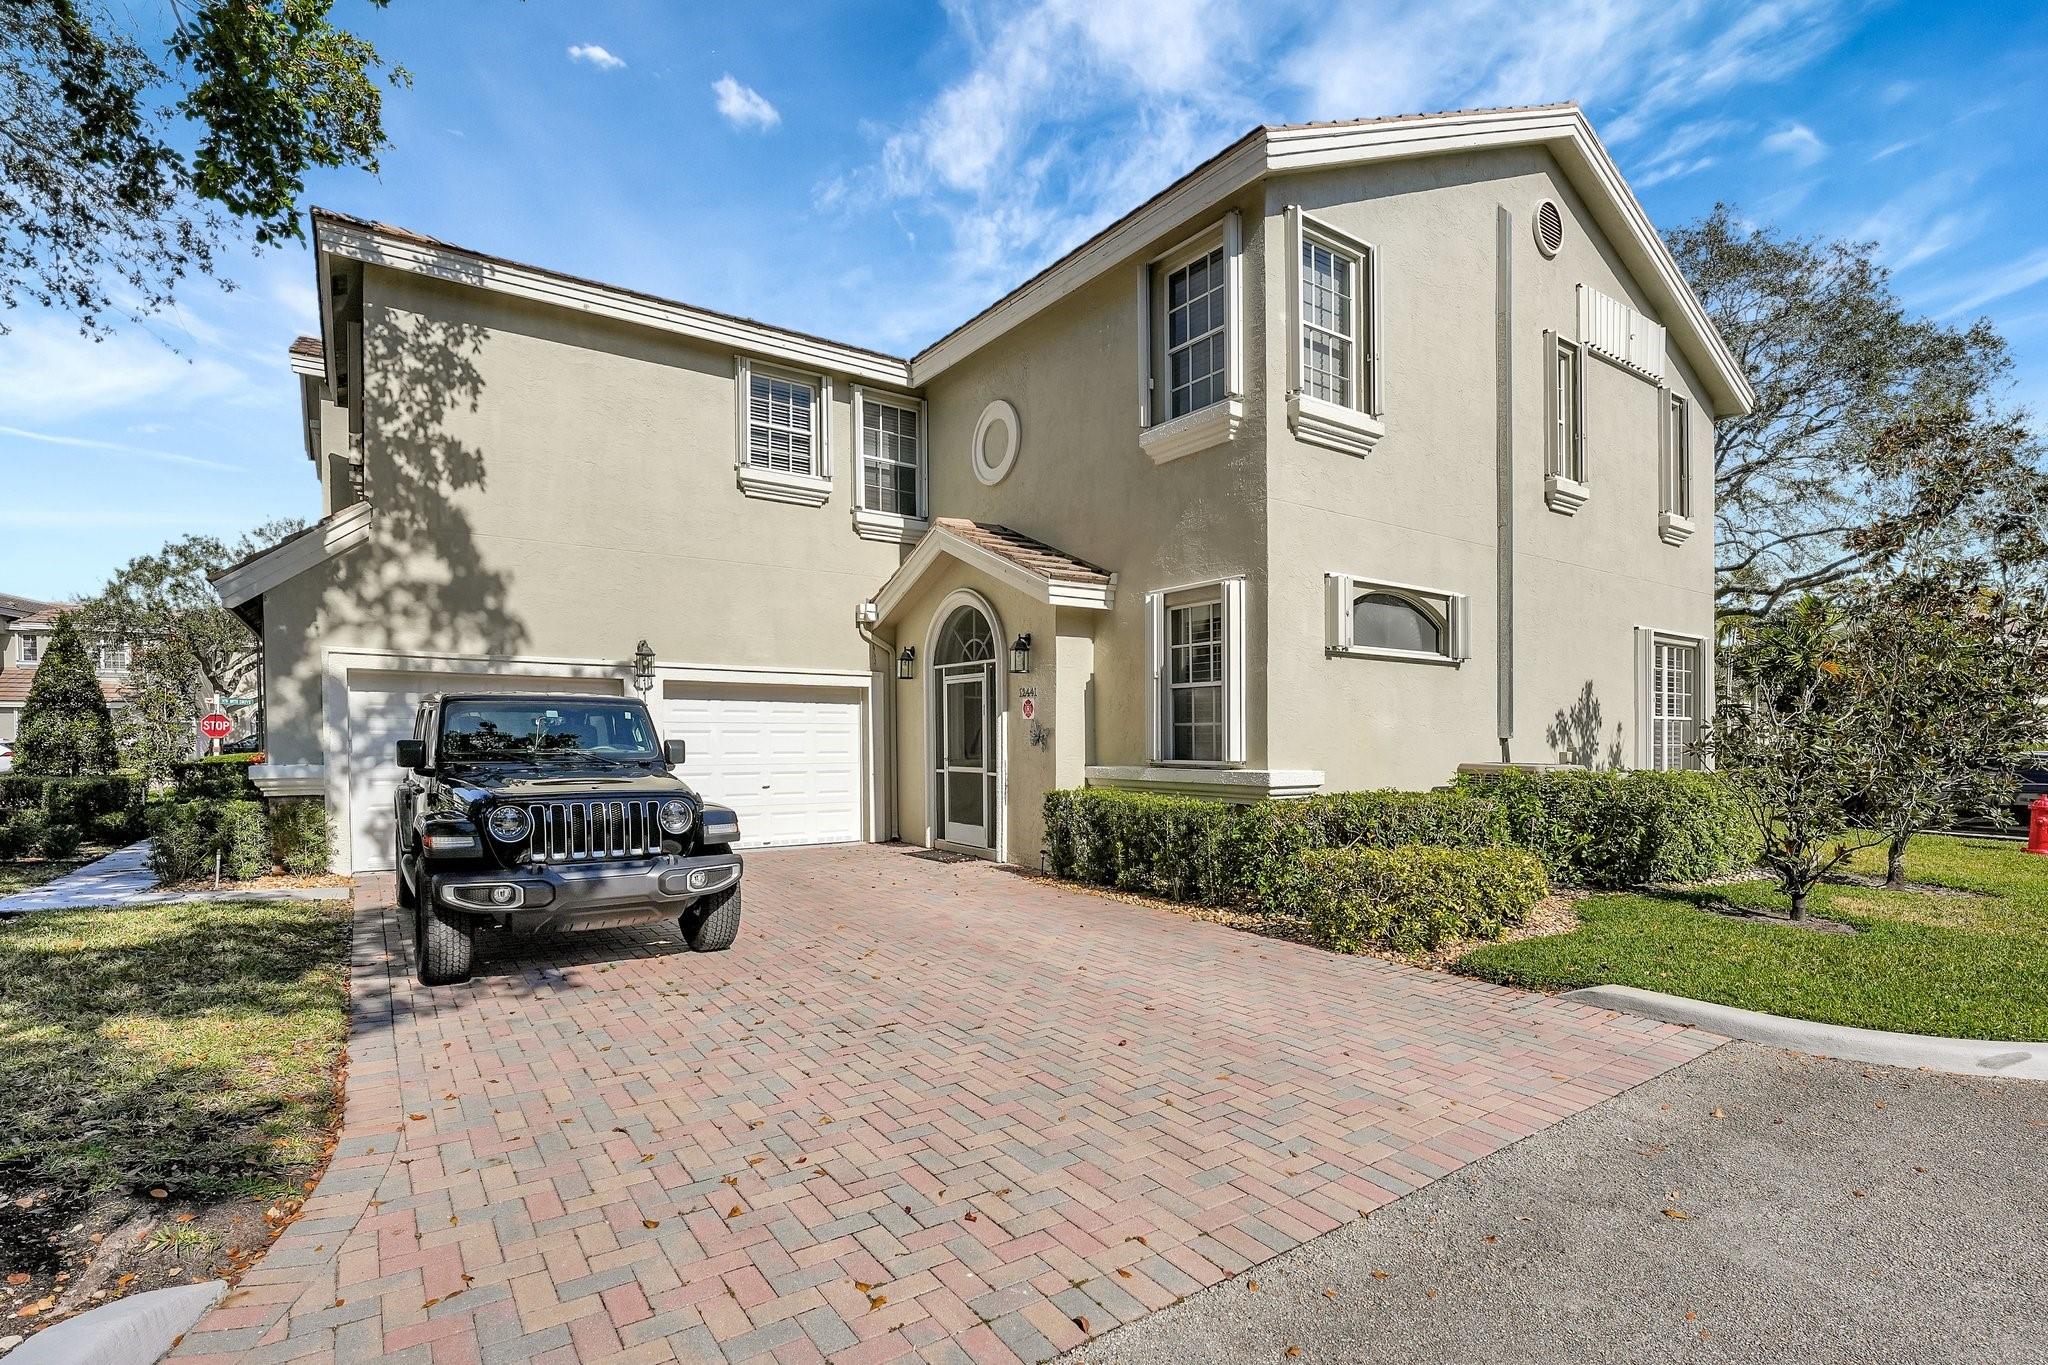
(1363, 451)
(25, 626)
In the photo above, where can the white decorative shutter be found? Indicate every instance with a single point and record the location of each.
(1370, 385)
(1233, 301)
(1155, 671)
(1461, 626)
(1646, 676)
(1233, 670)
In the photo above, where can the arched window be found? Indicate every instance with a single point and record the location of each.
(1385, 620)
(966, 639)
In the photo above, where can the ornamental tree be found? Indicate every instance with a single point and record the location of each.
(66, 730)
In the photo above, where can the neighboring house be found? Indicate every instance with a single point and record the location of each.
(25, 626)
(1363, 451)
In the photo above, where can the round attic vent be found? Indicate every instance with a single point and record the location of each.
(1549, 227)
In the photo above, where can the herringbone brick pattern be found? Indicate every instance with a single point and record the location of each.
(922, 1111)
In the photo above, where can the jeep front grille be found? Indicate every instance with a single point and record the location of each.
(583, 831)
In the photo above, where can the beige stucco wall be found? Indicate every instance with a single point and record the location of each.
(550, 485)
(1421, 509)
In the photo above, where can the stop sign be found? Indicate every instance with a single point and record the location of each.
(214, 725)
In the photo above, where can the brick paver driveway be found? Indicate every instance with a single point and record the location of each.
(923, 1111)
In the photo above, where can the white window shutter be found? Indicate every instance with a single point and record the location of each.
(1461, 626)
(1369, 385)
(1233, 301)
(823, 418)
(743, 371)
(1155, 670)
(1294, 375)
(1336, 595)
(1645, 681)
(1578, 468)
(1233, 670)
(1144, 347)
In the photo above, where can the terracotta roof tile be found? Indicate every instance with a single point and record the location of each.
(49, 613)
(14, 685)
(308, 347)
(1022, 550)
(10, 605)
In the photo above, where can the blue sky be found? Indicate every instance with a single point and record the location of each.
(878, 173)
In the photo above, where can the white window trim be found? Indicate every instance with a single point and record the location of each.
(1565, 488)
(804, 490)
(1647, 638)
(1456, 620)
(890, 526)
(1674, 526)
(1165, 439)
(1354, 429)
(1232, 593)
(28, 639)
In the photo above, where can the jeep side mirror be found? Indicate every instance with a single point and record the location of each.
(412, 754)
(673, 751)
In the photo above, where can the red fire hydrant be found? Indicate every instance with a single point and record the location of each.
(2037, 826)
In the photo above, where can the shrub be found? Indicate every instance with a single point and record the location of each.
(186, 835)
(220, 777)
(21, 833)
(115, 827)
(1212, 852)
(1415, 896)
(110, 806)
(65, 729)
(300, 840)
(1611, 829)
(60, 841)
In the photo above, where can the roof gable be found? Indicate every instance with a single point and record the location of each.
(1031, 566)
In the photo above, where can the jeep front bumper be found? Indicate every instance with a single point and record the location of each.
(587, 895)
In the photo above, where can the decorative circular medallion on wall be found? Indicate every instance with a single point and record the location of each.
(996, 438)
(1549, 227)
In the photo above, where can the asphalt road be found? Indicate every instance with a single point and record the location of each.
(1832, 1212)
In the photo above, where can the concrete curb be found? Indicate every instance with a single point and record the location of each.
(1961, 1056)
(131, 1331)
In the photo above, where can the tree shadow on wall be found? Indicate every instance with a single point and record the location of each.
(1578, 731)
(428, 587)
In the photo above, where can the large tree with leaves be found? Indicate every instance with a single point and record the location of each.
(185, 648)
(127, 157)
(66, 730)
(1877, 435)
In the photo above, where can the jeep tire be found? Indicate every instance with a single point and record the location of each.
(713, 923)
(444, 945)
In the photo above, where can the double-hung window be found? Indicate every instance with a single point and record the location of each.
(1565, 464)
(1198, 672)
(1192, 306)
(1334, 397)
(1674, 522)
(1674, 704)
(784, 453)
(892, 466)
(31, 648)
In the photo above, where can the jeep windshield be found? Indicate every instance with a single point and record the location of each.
(487, 730)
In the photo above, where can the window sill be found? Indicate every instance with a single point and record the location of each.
(1564, 495)
(888, 526)
(1228, 784)
(1344, 430)
(1407, 656)
(1214, 425)
(1673, 529)
(805, 490)
(289, 779)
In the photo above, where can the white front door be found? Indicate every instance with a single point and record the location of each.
(966, 773)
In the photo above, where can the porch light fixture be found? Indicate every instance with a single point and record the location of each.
(906, 663)
(643, 668)
(1020, 653)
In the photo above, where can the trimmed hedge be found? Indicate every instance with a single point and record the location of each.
(1415, 897)
(21, 833)
(1190, 848)
(109, 807)
(300, 840)
(218, 777)
(186, 835)
(1615, 829)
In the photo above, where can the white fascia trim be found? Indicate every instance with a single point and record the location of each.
(290, 779)
(347, 529)
(888, 526)
(1278, 150)
(441, 262)
(1214, 425)
(803, 490)
(1673, 529)
(1228, 784)
(308, 368)
(940, 541)
(1565, 496)
(1345, 430)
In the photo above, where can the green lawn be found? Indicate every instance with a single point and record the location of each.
(1972, 966)
(191, 1048)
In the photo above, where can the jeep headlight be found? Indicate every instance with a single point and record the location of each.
(508, 823)
(676, 816)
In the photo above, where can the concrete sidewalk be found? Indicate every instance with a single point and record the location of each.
(123, 878)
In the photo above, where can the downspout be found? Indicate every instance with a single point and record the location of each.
(1504, 475)
(884, 727)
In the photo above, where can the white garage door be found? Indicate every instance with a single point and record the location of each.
(380, 713)
(788, 759)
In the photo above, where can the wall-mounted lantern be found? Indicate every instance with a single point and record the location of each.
(1020, 653)
(643, 668)
(906, 663)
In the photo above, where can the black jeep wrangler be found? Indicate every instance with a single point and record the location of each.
(530, 812)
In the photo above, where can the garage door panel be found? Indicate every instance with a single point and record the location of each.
(788, 760)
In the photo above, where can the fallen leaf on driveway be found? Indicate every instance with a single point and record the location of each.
(1716, 1114)
(876, 1301)
(650, 1222)
(1122, 1274)
(1252, 1285)
(1082, 1323)
(417, 1117)
(1674, 1213)
(734, 1212)
(1379, 1274)
(1293, 1351)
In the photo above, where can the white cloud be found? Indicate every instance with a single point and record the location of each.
(1988, 286)
(596, 56)
(112, 447)
(743, 106)
(53, 374)
(1797, 143)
